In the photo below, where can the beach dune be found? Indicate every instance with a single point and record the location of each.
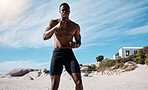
(39, 80)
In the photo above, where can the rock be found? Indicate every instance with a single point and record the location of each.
(26, 77)
(84, 69)
(44, 70)
(86, 74)
(17, 72)
(34, 74)
(26, 73)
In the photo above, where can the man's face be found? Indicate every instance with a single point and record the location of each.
(64, 11)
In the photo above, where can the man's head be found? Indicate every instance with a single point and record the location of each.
(64, 10)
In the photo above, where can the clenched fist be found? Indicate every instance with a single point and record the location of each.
(61, 24)
(72, 44)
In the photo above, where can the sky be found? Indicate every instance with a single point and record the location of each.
(106, 26)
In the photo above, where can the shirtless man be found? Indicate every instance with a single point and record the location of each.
(64, 30)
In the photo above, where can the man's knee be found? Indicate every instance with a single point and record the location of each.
(79, 82)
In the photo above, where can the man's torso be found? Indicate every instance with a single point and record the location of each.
(63, 36)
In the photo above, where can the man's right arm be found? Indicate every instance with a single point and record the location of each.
(50, 29)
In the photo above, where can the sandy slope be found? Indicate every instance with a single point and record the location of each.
(133, 80)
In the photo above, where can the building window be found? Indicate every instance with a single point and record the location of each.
(127, 52)
(135, 51)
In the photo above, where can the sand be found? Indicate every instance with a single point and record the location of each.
(133, 80)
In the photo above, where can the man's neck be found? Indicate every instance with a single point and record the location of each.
(66, 19)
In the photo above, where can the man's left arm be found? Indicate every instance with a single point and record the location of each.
(77, 37)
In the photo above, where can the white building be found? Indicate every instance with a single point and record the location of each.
(126, 51)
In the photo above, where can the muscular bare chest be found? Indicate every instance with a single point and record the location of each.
(69, 30)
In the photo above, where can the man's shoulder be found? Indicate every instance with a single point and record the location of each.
(74, 23)
(54, 20)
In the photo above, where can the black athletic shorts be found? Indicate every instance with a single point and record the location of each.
(64, 57)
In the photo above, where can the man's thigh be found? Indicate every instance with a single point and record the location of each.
(56, 65)
(72, 67)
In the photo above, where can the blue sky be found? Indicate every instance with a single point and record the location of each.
(106, 26)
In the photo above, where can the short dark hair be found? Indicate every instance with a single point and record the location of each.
(65, 4)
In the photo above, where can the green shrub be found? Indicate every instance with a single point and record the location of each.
(127, 59)
(145, 49)
(92, 68)
(139, 60)
(146, 61)
(99, 58)
(106, 59)
(140, 51)
(132, 56)
(123, 60)
(120, 65)
(107, 63)
(119, 60)
(146, 55)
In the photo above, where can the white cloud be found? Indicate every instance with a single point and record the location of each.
(10, 65)
(99, 19)
(27, 29)
(138, 30)
(11, 10)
